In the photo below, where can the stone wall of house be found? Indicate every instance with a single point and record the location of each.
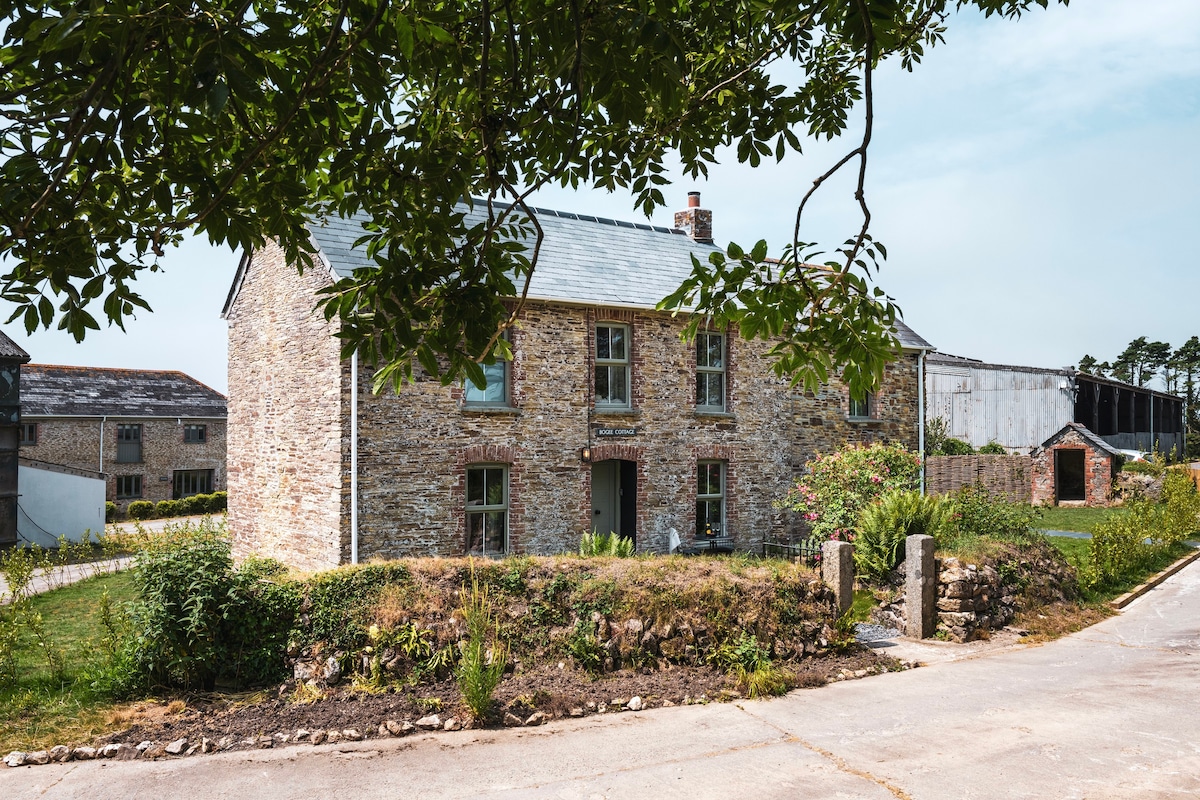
(288, 486)
(415, 447)
(1005, 477)
(1099, 471)
(289, 416)
(77, 443)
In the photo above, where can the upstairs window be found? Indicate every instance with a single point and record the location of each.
(861, 405)
(710, 371)
(487, 510)
(129, 444)
(29, 433)
(710, 499)
(195, 434)
(612, 366)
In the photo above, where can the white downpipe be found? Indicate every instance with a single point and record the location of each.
(921, 414)
(354, 457)
(102, 421)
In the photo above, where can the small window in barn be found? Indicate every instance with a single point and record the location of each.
(129, 487)
(129, 444)
(861, 405)
(487, 510)
(195, 434)
(612, 366)
(710, 372)
(29, 432)
(710, 499)
(187, 482)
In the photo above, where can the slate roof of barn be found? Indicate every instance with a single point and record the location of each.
(53, 390)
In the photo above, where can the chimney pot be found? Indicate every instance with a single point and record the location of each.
(696, 221)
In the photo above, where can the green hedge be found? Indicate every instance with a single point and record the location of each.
(195, 505)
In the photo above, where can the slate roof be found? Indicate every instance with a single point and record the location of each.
(51, 390)
(11, 350)
(1092, 439)
(583, 259)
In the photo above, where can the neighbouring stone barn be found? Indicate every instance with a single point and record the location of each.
(604, 419)
(1074, 467)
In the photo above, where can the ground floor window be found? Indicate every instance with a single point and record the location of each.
(29, 433)
(129, 487)
(710, 498)
(188, 482)
(487, 510)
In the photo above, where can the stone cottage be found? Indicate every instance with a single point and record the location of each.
(604, 419)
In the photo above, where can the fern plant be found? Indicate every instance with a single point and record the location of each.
(883, 527)
(605, 544)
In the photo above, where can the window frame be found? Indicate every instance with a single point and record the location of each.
(131, 427)
(703, 371)
(177, 478)
(705, 499)
(130, 496)
(622, 365)
(506, 385)
(23, 440)
(485, 509)
(867, 400)
(202, 429)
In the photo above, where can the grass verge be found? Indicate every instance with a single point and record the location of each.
(41, 709)
(1079, 520)
(1077, 553)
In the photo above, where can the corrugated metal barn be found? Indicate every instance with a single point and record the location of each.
(1021, 407)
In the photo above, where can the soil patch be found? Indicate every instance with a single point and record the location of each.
(247, 722)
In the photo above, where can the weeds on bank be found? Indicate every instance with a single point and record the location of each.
(484, 656)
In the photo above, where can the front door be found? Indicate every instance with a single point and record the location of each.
(614, 497)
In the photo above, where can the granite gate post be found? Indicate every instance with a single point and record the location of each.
(837, 570)
(920, 587)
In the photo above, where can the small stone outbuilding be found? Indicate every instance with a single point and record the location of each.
(1074, 467)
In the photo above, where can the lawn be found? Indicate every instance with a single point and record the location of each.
(1080, 520)
(43, 708)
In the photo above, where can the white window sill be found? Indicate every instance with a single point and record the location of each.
(706, 412)
(490, 410)
(616, 411)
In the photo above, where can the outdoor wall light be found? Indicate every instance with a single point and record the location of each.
(585, 455)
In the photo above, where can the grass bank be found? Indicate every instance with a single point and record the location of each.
(46, 706)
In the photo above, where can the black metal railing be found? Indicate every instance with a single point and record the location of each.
(805, 550)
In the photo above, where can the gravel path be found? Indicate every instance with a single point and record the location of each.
(864, 632)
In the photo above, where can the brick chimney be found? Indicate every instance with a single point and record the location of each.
(694, 220)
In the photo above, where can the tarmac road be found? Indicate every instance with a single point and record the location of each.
(1111, 712)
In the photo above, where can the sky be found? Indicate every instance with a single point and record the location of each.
(1035, 183)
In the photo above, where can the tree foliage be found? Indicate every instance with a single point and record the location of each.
(125, 124)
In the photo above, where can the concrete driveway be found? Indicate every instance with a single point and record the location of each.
(1112, 712)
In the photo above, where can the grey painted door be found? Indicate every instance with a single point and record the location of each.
(606, 496)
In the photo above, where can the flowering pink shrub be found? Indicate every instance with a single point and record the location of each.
(839, 485)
